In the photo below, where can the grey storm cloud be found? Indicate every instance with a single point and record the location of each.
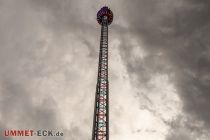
(35, 35)
(179, 31)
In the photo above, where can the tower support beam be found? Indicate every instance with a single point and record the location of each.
(101, 111)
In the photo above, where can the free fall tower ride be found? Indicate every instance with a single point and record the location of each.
(101, 110)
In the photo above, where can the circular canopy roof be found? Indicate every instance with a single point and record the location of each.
(105, 11)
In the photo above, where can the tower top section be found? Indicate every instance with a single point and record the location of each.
(105, 12)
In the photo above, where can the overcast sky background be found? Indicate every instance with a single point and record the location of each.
(159, 66)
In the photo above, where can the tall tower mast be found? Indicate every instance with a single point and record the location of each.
(101, 111)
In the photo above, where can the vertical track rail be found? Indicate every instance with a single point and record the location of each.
(101, 112)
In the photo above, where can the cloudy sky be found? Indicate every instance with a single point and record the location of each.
(159, 64)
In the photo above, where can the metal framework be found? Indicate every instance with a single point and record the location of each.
(101, 111)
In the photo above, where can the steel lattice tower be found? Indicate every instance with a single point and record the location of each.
(101, 111)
